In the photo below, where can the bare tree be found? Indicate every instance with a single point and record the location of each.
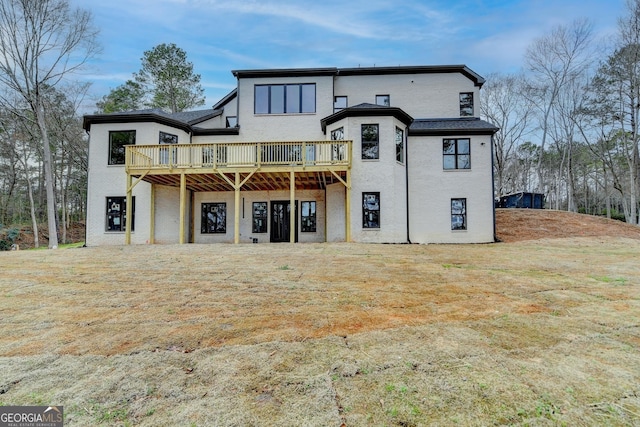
(41, 43)
(554, 61)
(502, 103)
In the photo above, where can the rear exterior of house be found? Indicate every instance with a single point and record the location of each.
(381, 155)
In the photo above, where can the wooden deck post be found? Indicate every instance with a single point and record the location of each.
(347, 208)
(292, 207)
(183, 204)
(152, 215)
(129, 211)
(236, 220)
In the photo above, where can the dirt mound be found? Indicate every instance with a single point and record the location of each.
(513, 225)
(25, 240)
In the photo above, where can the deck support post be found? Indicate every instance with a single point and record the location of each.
(183, 204)
(236, 220)
(347, 208)
(152, 215)
(129, 211)
(292, 207)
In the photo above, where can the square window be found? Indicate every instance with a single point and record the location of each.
(259, 217)
(458, 214)
(456, 153)
(339, 103)
(116, 214)
(308, 217)
(214, 218)
(117, 142)
(384, 100)
(232, 121)
(370, 142)
(466, 104)
(371, 210)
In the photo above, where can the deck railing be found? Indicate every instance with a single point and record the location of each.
(239, 154)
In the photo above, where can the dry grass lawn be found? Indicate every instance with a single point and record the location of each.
(530, 332)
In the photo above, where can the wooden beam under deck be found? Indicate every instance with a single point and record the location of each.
(259, 181)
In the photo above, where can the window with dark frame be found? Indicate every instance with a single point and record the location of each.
(456, 153)
(285, 98)
(167, 155)
(370, 142)
(458, 214)
(384, 100)
(466, 104)
(260, 216)
(337, 150)
(371, 210)
(308, 217)
(117, 141)
(116, 214)
(399, 145)
(339, 103)
(214, 218)
(232, 121)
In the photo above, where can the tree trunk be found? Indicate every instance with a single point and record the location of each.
(48, 177)
(34, 219)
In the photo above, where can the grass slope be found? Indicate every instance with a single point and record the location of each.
(536, 332)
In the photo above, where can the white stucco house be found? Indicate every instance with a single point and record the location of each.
(380, 154)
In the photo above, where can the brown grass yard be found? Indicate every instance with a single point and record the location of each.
(529, 332)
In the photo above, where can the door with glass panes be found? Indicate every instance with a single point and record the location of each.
(281, 221)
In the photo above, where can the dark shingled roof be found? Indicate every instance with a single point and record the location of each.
(463, 125)
(366, 110)
(183, 120)
(362, 71)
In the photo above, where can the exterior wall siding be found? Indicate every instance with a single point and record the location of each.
(420, 95)
(431, 189)
(283, 127)
(385, 176)
(246, 215)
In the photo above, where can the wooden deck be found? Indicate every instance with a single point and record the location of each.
(239, 166)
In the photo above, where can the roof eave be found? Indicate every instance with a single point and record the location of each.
(88, 120)
(366, 112)
(452, 132)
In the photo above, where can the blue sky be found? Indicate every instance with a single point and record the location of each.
(224, 35)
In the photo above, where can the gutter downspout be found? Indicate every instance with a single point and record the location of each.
(406, 178)
(493, 193)
(86, 211)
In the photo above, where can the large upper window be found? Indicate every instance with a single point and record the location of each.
(399, 145)
(285, 99)
(466, 104)
(458, 214)
(116, 215)
(117, 141)
(371, 210)
(370, 142)
(456, 153)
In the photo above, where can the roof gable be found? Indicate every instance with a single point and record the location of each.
(366, 110)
